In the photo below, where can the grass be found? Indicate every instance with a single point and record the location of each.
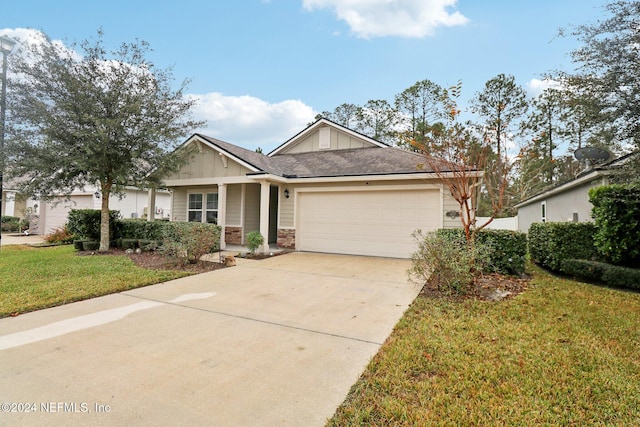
(36, 278)
(562, 353)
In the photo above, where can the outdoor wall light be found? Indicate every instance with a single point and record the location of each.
(286, 193)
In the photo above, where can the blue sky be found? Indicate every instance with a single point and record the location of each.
(262, 69)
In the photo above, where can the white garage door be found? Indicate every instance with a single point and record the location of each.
(56, 215)
(376, 223)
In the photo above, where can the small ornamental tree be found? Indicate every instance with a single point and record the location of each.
(91, 117)
(465, 165)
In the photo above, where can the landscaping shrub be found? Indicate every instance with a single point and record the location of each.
(254, 240)
(190, 240)
(13, 224)
(506, 250)
(10, 223)
(90, 245)
(142, 229)
(616, 212)
(446, 259)
(612, 275)
(553, 242)
(129, 243)
(60, 235)
(85, 223)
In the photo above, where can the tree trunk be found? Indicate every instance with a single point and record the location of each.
(105, 238)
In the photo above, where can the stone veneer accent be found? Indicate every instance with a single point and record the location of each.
(286, 238)
(233, 235)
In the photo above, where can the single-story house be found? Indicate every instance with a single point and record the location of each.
(327, 189)
(46, 216)
(567, 202)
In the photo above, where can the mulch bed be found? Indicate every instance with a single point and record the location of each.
(156, 261)
(489, 287)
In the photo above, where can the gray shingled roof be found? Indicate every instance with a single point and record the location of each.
(351, 162)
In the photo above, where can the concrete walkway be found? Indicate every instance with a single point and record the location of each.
(19, 239)
(272, 342)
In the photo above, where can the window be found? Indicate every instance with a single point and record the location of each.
(212, 208)
(194, 209)
(198, 211)
(543, 211)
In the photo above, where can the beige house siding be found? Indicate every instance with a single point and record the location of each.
(450, 204)
(252, 208)
(179, 204)
(342, 141)
(338, 141)
(286, 207)
(206, 162)
(234, 205)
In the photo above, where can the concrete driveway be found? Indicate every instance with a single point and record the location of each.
(271, 342)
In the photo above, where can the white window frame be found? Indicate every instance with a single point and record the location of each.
(193, 208)
(204, 209)
(213, 210)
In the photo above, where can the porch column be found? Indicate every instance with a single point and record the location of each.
(222, 213)
(151, 204)
(265, 193)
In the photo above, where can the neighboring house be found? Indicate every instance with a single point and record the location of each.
(327, 189)
(46, 216)
(53, 214)
(567, 202)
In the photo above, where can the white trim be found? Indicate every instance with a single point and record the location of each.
(208, 181)
(243, 192)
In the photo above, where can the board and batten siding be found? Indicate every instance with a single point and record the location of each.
(338, 141)
(205, 162)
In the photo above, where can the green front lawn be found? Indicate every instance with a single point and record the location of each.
(562, 353)
(35, 278)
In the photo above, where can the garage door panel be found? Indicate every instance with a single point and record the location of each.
(378, 223)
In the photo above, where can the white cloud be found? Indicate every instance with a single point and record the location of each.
(535, 87)
(380, 18)
(251, 122)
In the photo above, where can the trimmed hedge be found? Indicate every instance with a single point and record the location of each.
(611, 275)
(85, 223)
(616, 212)
(142, 229)
(553, 242)
(506, 249)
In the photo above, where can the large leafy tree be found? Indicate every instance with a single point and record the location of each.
(90, 116)
(608, 70)
(501, 104)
